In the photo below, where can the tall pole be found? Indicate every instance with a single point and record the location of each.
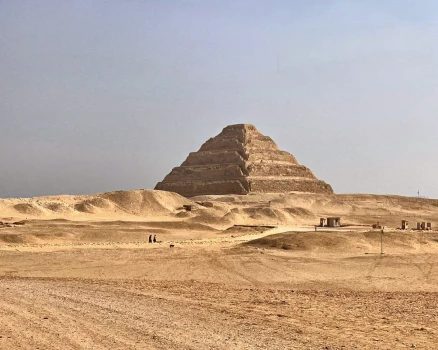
(381, 241)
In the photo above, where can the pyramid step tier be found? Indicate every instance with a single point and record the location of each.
(235, 156)
(246, 185)
(207, 172)
(287, 184)
(232, 143)
(200, 187)
(233, 171)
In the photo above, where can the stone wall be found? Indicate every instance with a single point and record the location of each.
(214, 157)
(289, 185)
(285, 169)
(266, 155)
(205, 172)
(200, 187)
(223, 144)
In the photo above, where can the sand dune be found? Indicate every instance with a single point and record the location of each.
(306, 209)
(349, 242)
(109, 205)
(224, 211)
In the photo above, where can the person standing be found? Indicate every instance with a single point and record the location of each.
(155, 239)
(150, 238)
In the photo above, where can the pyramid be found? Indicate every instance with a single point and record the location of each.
(241, 160)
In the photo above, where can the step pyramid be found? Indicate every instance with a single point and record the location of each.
(241, 160)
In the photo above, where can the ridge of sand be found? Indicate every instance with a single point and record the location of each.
(222, 211)
(133, 204)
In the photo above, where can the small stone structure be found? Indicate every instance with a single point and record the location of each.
(333, 222)
(322, 222)
(377, 225)
(405, 225)
(424, 226)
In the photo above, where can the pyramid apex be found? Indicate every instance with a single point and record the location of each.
(240, 127)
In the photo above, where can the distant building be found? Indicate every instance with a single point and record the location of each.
(333, 222)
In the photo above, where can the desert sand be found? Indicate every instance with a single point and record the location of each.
(77, 272)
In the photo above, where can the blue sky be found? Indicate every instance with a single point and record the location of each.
(107, 95)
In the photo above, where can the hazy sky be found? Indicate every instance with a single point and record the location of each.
(107, 95)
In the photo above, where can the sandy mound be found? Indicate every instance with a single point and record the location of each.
(301, 241)
(300, 212)
(224, 211)
(145, 203)
(342, 242)
(12, 238)
(184, 215)
(306, 209)
(94, 205)
(57, 207)
(31, 209)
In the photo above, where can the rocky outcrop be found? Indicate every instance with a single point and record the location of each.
(241, 160)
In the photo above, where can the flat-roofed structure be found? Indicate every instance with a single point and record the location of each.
(333, 222)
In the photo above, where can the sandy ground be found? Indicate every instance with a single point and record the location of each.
(80, 273)
(95, 287)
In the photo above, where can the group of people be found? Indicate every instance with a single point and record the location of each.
(153, 240)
